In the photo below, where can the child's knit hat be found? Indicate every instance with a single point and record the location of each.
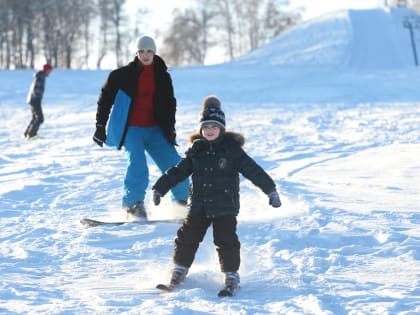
(211, 112)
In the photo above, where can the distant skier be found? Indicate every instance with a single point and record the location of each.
(34, 99)
(214, 161)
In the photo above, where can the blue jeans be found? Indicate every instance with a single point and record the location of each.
(138, 141)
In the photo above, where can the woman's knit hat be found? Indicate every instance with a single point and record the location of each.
(146, 43)
(211, 112)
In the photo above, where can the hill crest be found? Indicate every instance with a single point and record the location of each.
(374, 38)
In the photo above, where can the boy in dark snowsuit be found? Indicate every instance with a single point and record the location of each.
(214, 161)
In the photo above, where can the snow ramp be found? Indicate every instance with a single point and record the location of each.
(380, 39)
(366, 39)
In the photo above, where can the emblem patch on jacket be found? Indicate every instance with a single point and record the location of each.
(222, 163)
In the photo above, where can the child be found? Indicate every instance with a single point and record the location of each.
(214, 160)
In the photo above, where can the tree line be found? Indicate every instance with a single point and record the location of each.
(65, 33)
(61, 32)
(233, 27)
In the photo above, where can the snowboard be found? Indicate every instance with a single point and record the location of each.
(92, 222)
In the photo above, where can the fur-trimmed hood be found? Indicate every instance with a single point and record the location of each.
(237, 137)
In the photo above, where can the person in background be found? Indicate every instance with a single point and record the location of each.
(142, 120)
(215, 160)
(34, 99)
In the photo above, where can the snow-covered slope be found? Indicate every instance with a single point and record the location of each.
(318, 58)
(373, 38)
(343, 146)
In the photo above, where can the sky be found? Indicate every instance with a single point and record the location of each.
(161, 9)
(314, 8)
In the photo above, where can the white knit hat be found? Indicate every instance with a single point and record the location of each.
(145, 43)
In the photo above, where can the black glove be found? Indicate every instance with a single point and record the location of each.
(274, 199)
(172, 137)
(100, 136)
(156, 197)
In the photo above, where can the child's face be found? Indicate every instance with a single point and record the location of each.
(210, 132)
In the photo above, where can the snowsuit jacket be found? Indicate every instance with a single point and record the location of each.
(36, 91)
(215, 168)
(118, 93)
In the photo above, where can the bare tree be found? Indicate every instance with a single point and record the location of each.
(225, 17)
(59, 32)
(182, 44)
(29, 40)
(73, 16)
(117, 21)
(206, 17)
(6, 27)
(134, 30)
(87, 13)
(13, 15)
(18, 22)
(277, 21)
(243, 25)
(260, 21)
(51, 25)
(61, 27)
(104, 11)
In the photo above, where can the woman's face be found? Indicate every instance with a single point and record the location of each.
(146, 56)
(210, 132)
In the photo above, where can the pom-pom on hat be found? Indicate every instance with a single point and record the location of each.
(212, 112)
(211, 101)
(145, 43)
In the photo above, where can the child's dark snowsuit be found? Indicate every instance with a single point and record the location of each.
(214, 199)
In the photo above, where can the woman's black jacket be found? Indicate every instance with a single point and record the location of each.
(125, 79)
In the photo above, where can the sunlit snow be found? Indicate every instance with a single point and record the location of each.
(331, 109)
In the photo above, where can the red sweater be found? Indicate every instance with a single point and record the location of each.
(142, 111)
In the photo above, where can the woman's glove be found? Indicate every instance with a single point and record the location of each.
(274, 199)
(100, 136)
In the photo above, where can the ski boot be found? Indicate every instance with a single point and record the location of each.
(178, 275)
(136, 212)
(231, 284)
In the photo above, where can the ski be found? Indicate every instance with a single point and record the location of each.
(166, 287)
(227, 291)
(93, 222)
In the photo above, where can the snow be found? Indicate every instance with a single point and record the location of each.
(333, 117)
(361, 39)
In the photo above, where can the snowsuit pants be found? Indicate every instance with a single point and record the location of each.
(138, 141)
(192, 232)
(37, 120)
